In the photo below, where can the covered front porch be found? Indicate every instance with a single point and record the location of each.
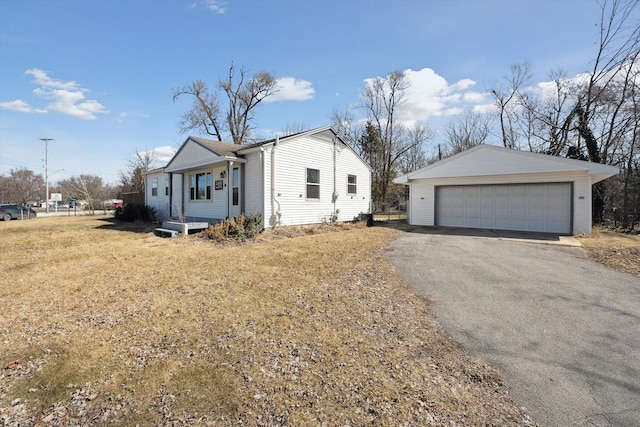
(206, 186)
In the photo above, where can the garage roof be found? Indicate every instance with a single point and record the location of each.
(483, 160)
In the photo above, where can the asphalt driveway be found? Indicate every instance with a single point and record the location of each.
(563, 330)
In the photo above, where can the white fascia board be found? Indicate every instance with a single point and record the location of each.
(484, 160)
(204, 164)
(154, 171)
(402, 179)
(253, 149)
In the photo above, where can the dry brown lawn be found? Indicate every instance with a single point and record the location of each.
(106, 324)
(615, 250)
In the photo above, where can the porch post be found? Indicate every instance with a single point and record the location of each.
(170, 194)
(229, 188)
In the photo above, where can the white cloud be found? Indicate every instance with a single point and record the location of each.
(66, 97)
(163, 154)
(474, 97)
(18, 105)
(41, 78)
(430, 95)
(453, 111)
(216, 6)
(292, 89)
(463, 84)
(485, 108)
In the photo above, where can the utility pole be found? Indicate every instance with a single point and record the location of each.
(46, 171)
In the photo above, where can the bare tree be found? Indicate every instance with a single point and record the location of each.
(615, 60)
(467, 130)
(382, 140)
(243, 93)
(592, 116)
(508, 101)
(382, 99)
(23, 186)
(131, 180)
(89, 188)
(415, 158)
(293, 128)
(345, 124)
(619, 40)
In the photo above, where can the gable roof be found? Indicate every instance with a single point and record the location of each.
(217, 152)
(483, 160)
(250, 147)
(213, 152)
(218, 147)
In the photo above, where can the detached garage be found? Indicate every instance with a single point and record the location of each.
(499, 188)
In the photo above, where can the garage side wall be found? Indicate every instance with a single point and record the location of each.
(422, 209)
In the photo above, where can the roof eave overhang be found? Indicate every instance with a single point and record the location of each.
(597, 177)
(204, 164)
(403, 179)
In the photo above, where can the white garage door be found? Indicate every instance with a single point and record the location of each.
(527, 207)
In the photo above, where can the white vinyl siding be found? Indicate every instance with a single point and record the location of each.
(292, 159)
(313, 183)
(352, 184)
(423, 194)
(192, 156)
(214, 208)
(528, 207)
(351, 206)
(154, 198)
(253, 186)
(289, 205)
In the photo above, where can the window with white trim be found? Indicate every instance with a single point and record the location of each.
(235, 182)
(154, 187)
(313, 183)
(352, 184)
(200, 186)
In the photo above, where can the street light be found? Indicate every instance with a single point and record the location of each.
(46, 170)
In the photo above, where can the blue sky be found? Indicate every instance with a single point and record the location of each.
(96, 76)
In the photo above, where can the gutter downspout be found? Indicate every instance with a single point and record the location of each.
(334, 196)
(275, 214)
(229, 188)
(181, 211)
(170, 194)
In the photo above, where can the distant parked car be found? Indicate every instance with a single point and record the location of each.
(9, 212)
(114, 205)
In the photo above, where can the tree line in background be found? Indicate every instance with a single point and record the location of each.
(25, 187)
(594, 116)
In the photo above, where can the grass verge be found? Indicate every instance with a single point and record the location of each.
(106, 325)
(615, 250)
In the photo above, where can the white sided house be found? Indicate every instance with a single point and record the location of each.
(499, 188)
(306, 178)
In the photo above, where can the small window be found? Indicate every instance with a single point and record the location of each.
(235, 182)
(154, 187)
(200, 186)
(166, 186)
(313, 183)
(352, 184)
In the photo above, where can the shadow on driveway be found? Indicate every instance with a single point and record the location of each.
(533, 237)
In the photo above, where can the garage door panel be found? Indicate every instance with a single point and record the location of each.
(528, 207)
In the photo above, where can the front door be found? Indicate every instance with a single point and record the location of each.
(235, 192)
